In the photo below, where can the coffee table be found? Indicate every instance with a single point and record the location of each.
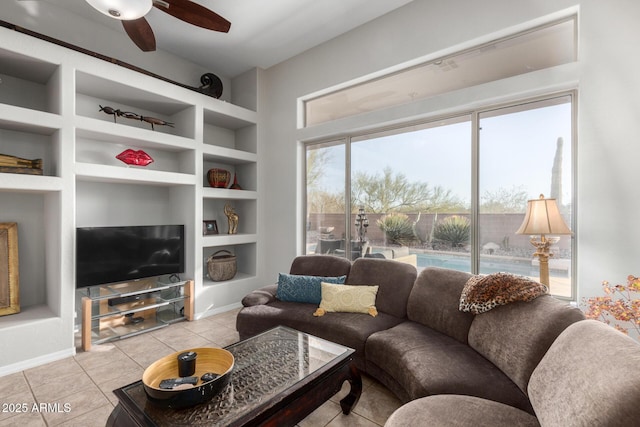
(280, 377)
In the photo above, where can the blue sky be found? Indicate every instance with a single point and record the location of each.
(516, 150)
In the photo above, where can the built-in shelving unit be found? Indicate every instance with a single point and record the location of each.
(50, 108)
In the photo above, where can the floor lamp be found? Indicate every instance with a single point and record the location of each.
(541, 220)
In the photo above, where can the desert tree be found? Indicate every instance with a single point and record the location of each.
(394, 192)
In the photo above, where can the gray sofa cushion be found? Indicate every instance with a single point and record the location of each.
(320, 265)
(350, 329)
(459, 411)
(434, 302)
(589, 377)
(426, 362)
(514, 337)
(395, 280)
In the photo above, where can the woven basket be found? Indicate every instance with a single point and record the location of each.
(222, 267)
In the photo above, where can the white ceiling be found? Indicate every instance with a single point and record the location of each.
(263, 32)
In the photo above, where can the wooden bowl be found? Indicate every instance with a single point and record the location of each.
(216, 360)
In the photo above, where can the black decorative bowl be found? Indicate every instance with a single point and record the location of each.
(215, 360)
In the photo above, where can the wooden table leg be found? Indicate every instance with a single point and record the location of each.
(351, 399)
(120, 418)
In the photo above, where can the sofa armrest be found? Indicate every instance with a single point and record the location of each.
(260, 296)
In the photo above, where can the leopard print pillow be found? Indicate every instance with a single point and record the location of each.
(482, 293)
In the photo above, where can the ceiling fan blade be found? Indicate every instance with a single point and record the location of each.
(194, 14)
(141, 34)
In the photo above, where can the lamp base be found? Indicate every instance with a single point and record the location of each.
(543, 254)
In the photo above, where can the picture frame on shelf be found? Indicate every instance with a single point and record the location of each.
(209, 227)
(9, 273)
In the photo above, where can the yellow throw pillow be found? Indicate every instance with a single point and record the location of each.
(347, 299)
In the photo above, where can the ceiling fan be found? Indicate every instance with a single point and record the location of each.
(132, 12)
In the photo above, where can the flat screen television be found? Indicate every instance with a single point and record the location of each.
(119, 254)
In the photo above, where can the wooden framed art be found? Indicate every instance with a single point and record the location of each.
(9, 274)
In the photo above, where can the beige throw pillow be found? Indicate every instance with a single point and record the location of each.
(347, 299)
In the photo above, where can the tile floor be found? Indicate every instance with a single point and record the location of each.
(76, 391)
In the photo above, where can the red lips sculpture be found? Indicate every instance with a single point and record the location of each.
(133, 157)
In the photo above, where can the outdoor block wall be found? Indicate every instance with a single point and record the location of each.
(496, 228)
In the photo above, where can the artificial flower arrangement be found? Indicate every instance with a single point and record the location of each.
(620, 307)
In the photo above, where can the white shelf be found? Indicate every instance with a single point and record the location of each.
(104, 84)
(26, 120)
(19, 65)
(228, 155)
(224, 239)
(226, 193)
(27, 316)
(131, 175)
(237, 279)
(118, 134)
(30, 183)
(229, 116)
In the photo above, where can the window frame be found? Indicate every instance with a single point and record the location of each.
(349, 138)
(438, 61)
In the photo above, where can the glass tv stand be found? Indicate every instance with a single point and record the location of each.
(121, 310)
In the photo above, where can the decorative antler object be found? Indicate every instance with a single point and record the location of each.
(133, 116)
(232, 218)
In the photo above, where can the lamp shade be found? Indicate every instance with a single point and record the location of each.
(125, 10)
(543, 218)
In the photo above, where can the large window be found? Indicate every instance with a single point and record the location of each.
(542, 47)
(325, 184)
(524, 151)
(449, 192)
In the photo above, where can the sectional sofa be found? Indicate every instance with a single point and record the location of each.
(523, 363)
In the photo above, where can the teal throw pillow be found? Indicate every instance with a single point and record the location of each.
(299, 288)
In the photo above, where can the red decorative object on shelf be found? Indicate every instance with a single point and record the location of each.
(133, 157)
(235, 185)
(218, 178)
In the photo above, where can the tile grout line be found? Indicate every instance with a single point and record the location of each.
(94, 383)
(24, 375)
(218, 325)
(92, 379)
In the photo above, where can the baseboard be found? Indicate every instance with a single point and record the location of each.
(36, 361)
(218, 310)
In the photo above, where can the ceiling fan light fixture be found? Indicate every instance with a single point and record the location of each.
(125, 10)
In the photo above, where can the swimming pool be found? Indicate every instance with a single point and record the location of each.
(463, 263)
(488, 264)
